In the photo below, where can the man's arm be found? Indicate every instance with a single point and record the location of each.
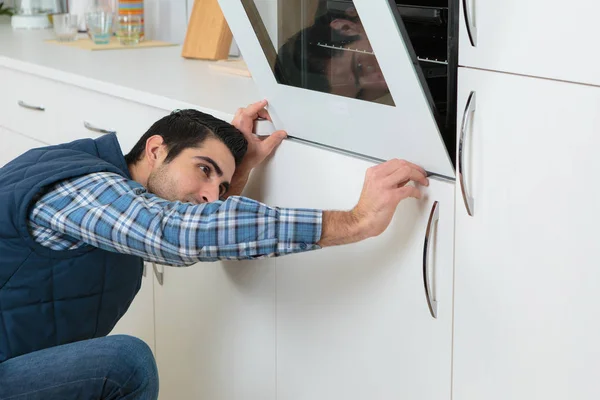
(239, 180)
(110, 212)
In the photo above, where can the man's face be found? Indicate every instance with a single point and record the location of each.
(197, 175)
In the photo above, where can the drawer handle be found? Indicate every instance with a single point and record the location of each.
(469, 111)
(470, 22)
(99, 130)
(434, 217)
(160, 275)
(31, 107)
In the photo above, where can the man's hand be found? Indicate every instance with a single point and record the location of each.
(386, 185)
(259, 148)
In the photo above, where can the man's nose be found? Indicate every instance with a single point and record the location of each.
(210, 193)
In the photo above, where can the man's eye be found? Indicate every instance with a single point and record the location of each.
(205, 169)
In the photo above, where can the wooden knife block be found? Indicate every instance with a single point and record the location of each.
(208, 36)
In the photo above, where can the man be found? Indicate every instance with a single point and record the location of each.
(77, 220)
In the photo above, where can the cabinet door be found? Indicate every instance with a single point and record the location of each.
(215, 331)
(353, 322)
(138, 321)
(527, 277)
(14, 144)
(347, 80)
(551, 39)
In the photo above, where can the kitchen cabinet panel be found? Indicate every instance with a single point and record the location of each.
(527, 274)
(215, 331)
(353, 322)
(540, 38)
(138, 321)
(14, 144)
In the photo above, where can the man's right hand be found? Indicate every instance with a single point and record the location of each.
(386, 185)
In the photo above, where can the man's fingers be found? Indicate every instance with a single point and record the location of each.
(262, 113)
(403, 175)
(253, 109)
(389, 167)
(274, 140)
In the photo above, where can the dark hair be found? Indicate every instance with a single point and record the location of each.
(183, 129)
(302, 62)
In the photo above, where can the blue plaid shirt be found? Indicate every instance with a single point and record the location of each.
(110, 212)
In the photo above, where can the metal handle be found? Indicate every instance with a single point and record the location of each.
(434, 217)
(144, 270)
(96, 129)
(31, 107)
(470, 22)
(160, 275)
(469, 110)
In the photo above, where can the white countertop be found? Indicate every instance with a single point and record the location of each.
(158, 77)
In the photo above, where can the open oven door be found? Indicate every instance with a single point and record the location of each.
(341, 74)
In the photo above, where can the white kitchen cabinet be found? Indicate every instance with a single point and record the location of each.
(527, 277)
(540, 38)
(353, 322)
(138, 321)
(14, 144)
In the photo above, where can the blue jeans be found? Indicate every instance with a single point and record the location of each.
(109, 368)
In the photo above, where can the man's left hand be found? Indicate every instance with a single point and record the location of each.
(259, 148)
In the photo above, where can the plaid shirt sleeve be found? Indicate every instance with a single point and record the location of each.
(110, 212)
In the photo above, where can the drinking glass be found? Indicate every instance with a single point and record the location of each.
(99, 24)
(129, 29)
(65, 27)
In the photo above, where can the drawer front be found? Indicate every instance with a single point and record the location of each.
(85, 113)
(36, 115)
(55, 112)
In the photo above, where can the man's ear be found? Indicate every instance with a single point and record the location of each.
(346, 27)
(155, 151)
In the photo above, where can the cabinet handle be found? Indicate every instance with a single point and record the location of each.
(470, 22)
(160, 275)
(469, 111)
(144, 272)
(96, 129)
(31, 107)
(434, 217)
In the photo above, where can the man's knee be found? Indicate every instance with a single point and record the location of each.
(137, 363)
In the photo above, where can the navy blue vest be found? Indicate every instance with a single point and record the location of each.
(48, 297)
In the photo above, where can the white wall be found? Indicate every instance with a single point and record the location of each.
(166, 19)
